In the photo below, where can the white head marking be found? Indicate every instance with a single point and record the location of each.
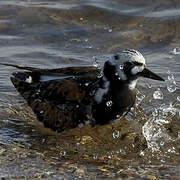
(127, 56)
(137, 69)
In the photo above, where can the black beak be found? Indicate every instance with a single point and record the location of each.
(149, 74)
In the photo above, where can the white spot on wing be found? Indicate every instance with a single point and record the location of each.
(29, 80)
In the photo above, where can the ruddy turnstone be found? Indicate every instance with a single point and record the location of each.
(65, 98)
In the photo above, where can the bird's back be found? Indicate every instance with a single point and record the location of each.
(60, 98)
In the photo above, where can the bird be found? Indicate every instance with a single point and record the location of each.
(70, 97)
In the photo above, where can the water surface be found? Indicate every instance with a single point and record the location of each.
(51, 34)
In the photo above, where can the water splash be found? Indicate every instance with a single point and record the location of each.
(155, 113)
(171, 84)
(158, 94)
(171, 87)
(139, 98)
(155, 133)
(169, 110)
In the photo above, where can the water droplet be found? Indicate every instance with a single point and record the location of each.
(109, 30)
(110, 155)
(158, 94)
(90, 47)
(62, 153)
(176, 51)
(121, 67)
(77, 106)
(149, 86)
(100, 75)
(109, 103)
(141, 153)
(171, 150)
(86, 40)
(116, 74)
(118, 116)
(95, 156)
(41, 112)
(171, 86)
(81, 18)
(178, 98)
(86, 84)
(116, 134)
(119, 78)
(155, 112)
(95, 62)
(162, 143)
(139, 99)
(122, 151)
(170, 76)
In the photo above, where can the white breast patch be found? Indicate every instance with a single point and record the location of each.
(102, 91)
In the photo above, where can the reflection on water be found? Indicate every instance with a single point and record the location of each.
(146, 143)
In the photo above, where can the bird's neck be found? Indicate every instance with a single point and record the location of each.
(116, 80)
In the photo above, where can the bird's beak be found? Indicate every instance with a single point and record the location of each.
(149, 74)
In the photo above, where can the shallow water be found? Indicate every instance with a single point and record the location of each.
(51, 34)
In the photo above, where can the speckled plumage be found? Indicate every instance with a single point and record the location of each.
(69, 97)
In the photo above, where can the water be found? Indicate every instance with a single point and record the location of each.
(158, 94)
(50, 34)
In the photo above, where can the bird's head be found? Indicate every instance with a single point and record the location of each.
(127, 66)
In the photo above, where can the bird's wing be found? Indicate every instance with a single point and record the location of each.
(61, 102)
